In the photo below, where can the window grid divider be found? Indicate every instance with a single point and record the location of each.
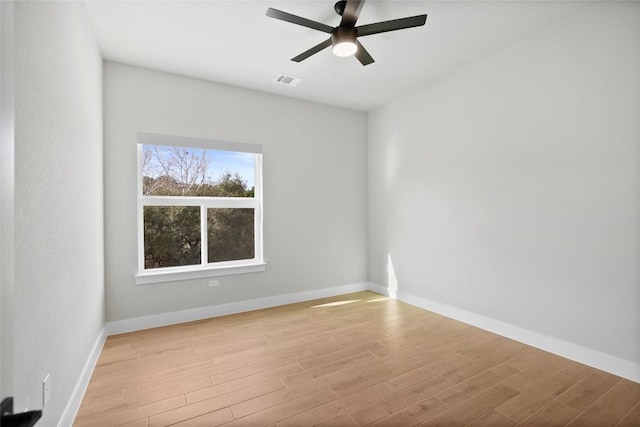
(204, 236)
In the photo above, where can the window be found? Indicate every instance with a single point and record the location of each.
(199, 208)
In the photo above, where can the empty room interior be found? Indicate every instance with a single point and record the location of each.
(296, 213)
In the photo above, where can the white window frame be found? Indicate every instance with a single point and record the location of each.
(204, 269)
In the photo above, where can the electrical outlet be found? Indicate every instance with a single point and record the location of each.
(214, 283)
(46, 389)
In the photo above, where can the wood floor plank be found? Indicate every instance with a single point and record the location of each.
(99, 402)
(297, 355)
(115, 369)
(144, 422)
(347, 360)
(544, 368)
(127, 414)
(183, 413)
(414, 414)
(552, 414)
(167, 391)
(448, 363)
(339, 407)
(474, 408)
(242, 395)
(326, 359)
(240, 383)
(527, 359)
(166, 354)
(488, 346)
(218, 377)
(474, 385)
(342, 421)
(281, 396)
(595, 416)
(178, 383)
(212, 419)
(632, 418)
(586, 391)
(483, 363)
(492, 419)
(355, 382)
(379, 409)
(535, 397)
(578, 370)
(344, 363)
(286, 410)
(621, 398)
(611, 407)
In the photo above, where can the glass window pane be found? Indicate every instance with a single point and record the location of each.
(171, 236)
(230, 234)
(182, 171)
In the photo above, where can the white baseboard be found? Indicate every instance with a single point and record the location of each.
(594, 358)
(165, 319)
(70, 411)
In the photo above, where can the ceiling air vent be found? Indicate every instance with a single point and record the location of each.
(285, 80)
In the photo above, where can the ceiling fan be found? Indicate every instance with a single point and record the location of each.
(344, 37)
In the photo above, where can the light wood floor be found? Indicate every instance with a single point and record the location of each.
(353, 360)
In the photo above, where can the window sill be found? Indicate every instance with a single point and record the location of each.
(182, 273)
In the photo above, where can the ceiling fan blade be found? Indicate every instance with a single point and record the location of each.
(392, 25)
(307, 53)
(362, 55)
(351, 13)
(294, 19)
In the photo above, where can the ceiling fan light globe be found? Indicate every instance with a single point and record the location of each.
(344, 48)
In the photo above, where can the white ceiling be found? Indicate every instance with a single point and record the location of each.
(233, 42)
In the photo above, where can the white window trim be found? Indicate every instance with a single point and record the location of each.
(203, 270)
(174, 274)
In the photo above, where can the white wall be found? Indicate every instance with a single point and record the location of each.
(315, 190)
(511, 188)
(7, 145)
(59, 269)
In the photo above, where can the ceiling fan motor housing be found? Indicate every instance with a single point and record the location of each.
(342, 34)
